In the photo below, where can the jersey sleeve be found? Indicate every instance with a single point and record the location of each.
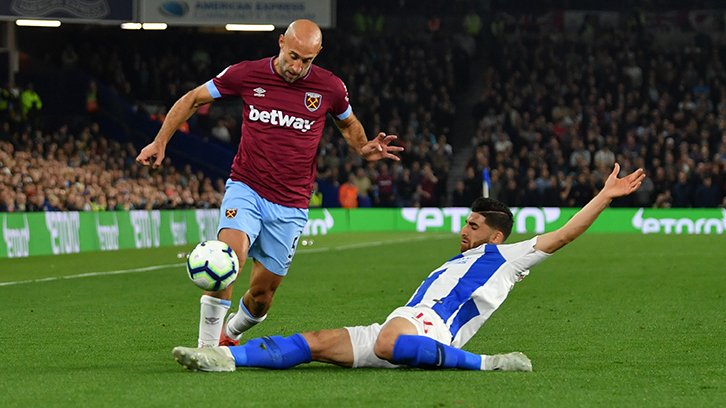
(228, 82)
(340, 107)
(522, 255)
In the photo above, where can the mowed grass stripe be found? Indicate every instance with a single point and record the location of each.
(610, 321)
(420, 237)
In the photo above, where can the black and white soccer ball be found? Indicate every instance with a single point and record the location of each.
(212, 265)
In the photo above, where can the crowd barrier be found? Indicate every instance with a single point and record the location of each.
(28, 234)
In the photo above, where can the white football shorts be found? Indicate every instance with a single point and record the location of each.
(363, 338)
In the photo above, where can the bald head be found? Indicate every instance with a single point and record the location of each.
(299, 46)
(305, 32)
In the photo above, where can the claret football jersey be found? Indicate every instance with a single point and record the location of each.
(281, 128)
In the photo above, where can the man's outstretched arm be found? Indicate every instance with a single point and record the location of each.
(614, 187)
(371, 150)
(182, 110)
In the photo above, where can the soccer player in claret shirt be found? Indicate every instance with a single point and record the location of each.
(444, 313)
(265, 206)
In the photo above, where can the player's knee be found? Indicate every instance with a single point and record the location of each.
(238, 241)
(384, 345)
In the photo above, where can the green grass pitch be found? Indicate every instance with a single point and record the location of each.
(609, 321)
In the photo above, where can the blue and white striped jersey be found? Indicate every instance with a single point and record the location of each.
(468, 288)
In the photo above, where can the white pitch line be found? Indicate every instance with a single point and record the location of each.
(85, 275)
(153, 268)
(370, 244)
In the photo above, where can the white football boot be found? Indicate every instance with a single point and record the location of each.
(215, 359)
(510, 362)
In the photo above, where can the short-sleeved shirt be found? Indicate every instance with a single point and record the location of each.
(468, 288)
(281, 127)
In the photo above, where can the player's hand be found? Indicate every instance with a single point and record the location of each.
(618, 187)
(153, 150)
(379, 148)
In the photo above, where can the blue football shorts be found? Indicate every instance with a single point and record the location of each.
(273, 229)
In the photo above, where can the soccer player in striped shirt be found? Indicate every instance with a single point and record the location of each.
(443, 314)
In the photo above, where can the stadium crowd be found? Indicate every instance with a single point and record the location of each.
(555, 114)
(398, 84)
(60, 171)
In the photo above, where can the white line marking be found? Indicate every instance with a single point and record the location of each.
(153, 268)
(370, 244)
(85, 275)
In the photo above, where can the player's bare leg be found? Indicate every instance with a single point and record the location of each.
(389, 334)
(330, 346)
(263, 285)
(327, 346)
(255, 303)
(214, 305)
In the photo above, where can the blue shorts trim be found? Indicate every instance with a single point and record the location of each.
(273, 229)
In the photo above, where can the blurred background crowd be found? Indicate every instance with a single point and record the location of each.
(546, 114)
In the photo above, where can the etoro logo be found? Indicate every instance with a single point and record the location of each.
(541, 217)
(680, 225)
(207, 223)
(431, 218)
(64, 229)
(17, 240)
(178, 229)
(318, 226)
(146, 226)
(107, 234)
(279, 118)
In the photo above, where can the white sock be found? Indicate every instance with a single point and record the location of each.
(226, 351)
(211, 320)
(241, 322)
(486, 364)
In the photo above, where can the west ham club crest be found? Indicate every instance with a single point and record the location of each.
(313, 101)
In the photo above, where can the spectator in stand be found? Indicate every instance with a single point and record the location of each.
(406, 190)
(384, 187)
(316, 198)
(427, 188)
(31, 105)
(221, 132)
(510, 195)
(363, 182)
(706, 195)
(682, 191)
(7, 201)
(461, 196)
(348, 193)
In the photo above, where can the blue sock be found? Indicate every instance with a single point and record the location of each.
(272, 352)
(424, 352)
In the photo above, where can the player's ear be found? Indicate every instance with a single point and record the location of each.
(281, 40)
(497, 238)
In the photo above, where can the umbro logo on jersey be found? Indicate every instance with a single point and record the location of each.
(259, 91)
(279, 118)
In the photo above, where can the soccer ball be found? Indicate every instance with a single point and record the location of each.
(212, 265)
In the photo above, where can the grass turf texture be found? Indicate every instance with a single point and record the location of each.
(611, 320)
